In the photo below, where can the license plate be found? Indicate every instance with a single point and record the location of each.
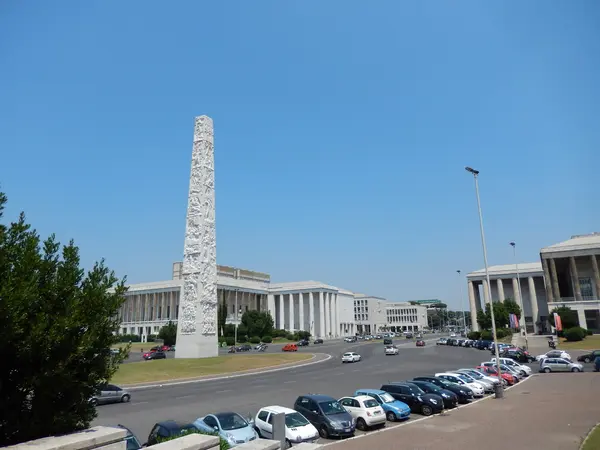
(347, 430)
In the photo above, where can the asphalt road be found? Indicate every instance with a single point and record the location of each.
(247, 394)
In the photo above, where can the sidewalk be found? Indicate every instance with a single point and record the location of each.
(548, 411)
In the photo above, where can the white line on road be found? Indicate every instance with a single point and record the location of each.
(186, 396)
(224, 390)
(288, 382)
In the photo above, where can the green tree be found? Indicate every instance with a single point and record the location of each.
(57, 324)
(484, 319)
(512, 307)
(168, 333)
(258, 323)
(568, 317)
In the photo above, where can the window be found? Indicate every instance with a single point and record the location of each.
(346, 402)
(585, 285)
(371, 404)
(263, 415)
(210, 421)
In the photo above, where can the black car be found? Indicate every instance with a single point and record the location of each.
(155, 355)
(409, 335)
(464, 393)
(168, 428)
(243, 348)
(417, 399)
(449, 397)
(388, 341)
(589, 357)
(303, 343)
(518, 356)
(326, 414)
(318, 341)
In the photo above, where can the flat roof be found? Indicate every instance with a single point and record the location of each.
(577, 242)
(509, 269)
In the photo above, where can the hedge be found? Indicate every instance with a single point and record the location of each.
(474, 335)
(230, 341)
(255, 340)
(267, 339)
(575, 334)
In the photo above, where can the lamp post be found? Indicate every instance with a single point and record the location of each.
(462, 304)
(236, 316)
(514, 246)
(499, 393)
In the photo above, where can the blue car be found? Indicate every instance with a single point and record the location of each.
(394, 409)
(228, 425)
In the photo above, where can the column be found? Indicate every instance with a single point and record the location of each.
(516, 294)
(473, 307)
(554, 278)
(329, 314)
(311, 314)
(281, 312)
(292, 318)
(302, 327)
(581, 317)
(271, 305)
(596, 274)
(575, 277)
(547, 281)
(500, 284)
(321, 315)
(486, 292)
(534, 304)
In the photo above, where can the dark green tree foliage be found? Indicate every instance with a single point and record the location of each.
(257, 323)
(56, 329)
(484, 319)
(512, 307)
(168, 333)
(568, 317)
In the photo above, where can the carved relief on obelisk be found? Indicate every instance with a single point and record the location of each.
(197, 323)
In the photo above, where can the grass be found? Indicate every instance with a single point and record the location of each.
(177, 369)
(506, 339)
(593, 440)
(136, 346)
(589, 343)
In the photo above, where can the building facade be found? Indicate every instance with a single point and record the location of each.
(566, 275)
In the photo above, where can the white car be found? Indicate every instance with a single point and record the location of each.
(479, 376)
(365, 410)
(297, 428)
(452, 335)
(391, 350)
(554, 354)
(486, 385)
(463, 381)
(525, 370)
(350, 357)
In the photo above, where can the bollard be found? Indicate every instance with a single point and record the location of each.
(498, 391)
(279, 429)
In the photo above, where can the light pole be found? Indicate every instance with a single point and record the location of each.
(498, 388)
(462, 304)
(514, 246)
(236, 316)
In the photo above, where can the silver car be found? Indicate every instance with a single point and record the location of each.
(109, 393)
(559, 365)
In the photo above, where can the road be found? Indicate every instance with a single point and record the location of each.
(246, 395)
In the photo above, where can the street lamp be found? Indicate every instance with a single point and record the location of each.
(498, 388)
(236, 315)
(514, 246)
(462, 305)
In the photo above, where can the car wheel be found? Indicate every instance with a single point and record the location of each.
(94, 402)
(323, 432)
(426, 410)
(547, 369)
(391, 416)
(523, 373)
(258, 432)
(126, 398)
(574, 369)
(288, 444)
(587, 360)
(361, 424)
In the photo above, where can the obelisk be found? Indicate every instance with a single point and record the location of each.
(197, 323)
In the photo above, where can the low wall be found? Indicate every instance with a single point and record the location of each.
(109, 438)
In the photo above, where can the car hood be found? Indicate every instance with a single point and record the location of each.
(448, 393)
(241, 434)
(305, 432)
(342, 419)
(396, 404)
(474, 386)
(429, 397)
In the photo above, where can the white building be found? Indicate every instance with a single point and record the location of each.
(567, 275)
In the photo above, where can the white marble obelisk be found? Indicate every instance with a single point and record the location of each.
(197, 323)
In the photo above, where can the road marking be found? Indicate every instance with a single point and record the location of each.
(356, 370)
(139, 403)
(420, 419)
(288, 382)
(185, 396)
(224, 390)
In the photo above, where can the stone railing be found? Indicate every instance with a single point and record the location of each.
(108, 438)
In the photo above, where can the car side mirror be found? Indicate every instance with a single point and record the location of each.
(216, 428)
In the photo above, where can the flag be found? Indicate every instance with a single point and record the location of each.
(557, 322)
(514, 320)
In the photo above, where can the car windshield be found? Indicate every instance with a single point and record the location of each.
(347, 354)
(332, 407)
(415, 389)
(371, 403)
(463, 378)
(132, 443)
(294, 420)
(386, 398)
(474, 374)
(231, 421)
(430, 386)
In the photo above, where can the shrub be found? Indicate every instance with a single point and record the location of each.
(222, 339)
(486, 335)
(474, 335)
(291, 337)
(303, 335)
(129, 337)
(279, 333)
(241, 339)
(574, 334)
(267, 339)
(590, 332)
(230, 341)
(503, 332)
(255, 340)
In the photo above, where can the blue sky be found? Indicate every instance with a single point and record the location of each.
(342, 130)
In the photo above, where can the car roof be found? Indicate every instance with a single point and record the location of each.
(278, 409)
(173, 425)
(371, 391)
(318, 397)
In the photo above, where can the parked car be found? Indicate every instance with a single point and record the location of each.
(420, 343)
(303, 343)
(597, 364)
(297, 427)
(418, 400)
(350, 339)
(154, 355)
(229, 426)
(441, 341)
(131, 440)
(553, 354)
(488, 387)
(493, 372)
(289, 348)
(365, 410)
(243, 348)
(110, 393)
(350, 357)
(462, 380)
(450, 398)
(326, 414)
(409, 335)
(524, 370)
(589, 357)
(505, 369)
(479, 376)
(391, 350)
(394, 409)
(518, 355)
(388, 341)
(559, 365)
(318, 341)
(463, 393)
(167, 429)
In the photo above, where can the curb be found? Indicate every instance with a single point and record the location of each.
(278, 368)
(594, 428)
(420, 419)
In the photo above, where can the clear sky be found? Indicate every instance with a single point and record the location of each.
(342, 130)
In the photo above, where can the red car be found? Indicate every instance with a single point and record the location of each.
(491, 372)
(420, 343)
(290, 348)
